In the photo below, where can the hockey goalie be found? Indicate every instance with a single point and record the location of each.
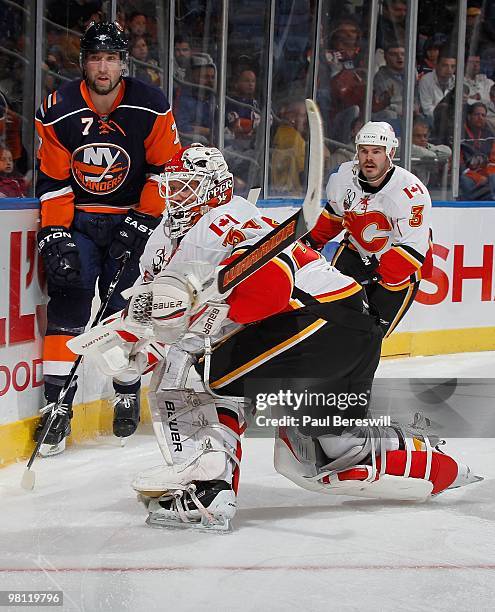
(295, 319)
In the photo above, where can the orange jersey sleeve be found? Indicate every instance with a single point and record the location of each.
(53, 186)
(161, 145)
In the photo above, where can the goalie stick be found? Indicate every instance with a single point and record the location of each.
(293, 228)
(296, 226)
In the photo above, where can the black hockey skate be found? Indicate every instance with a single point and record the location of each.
(206, 505)
(127, 408)
(54, 442)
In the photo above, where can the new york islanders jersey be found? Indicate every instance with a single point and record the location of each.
(392, 222)
(102, 163)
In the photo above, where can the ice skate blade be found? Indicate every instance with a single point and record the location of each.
(49, 450)
(155, 521)
(472, 479)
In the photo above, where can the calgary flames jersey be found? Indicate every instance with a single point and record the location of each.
(276, 287)
(104, 164)
(391, 222)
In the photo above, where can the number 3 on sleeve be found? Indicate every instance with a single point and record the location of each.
(416, 218)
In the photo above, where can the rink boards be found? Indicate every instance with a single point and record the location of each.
(453, 312)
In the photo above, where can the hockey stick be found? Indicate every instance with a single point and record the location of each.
(29, 476)
(293, 228)
(253, 195)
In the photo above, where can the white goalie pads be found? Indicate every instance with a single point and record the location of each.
(389, 463)
(195, 445)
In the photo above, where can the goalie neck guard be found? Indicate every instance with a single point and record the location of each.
(196, 179)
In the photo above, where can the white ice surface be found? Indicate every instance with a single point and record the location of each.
(81, 531)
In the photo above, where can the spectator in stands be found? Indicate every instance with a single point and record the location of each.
(195, 105)
(477, 180)
(479, 84)
(242, 109)
(343, 46)
(289, 150)
(431, 51)
(242, 118)
(347, 88)
(145, 67)
(12, 85)
(346, 152)
(443, 126)
(391, 26)
(11, 132)
(12, 184)
(137, 24)
(182, 57)
(428, 160)
(392, 22)
(434, 86)
(388, 86)
(490, 118)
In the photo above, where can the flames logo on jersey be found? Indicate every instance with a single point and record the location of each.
(100, 168)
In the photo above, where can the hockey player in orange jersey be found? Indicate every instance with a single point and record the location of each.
(386, 214)
(295, 321)
(103, 142)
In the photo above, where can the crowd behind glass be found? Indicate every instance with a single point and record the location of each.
(263, 114)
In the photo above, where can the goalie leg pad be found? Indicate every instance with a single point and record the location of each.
(196, 445)
(380, 463)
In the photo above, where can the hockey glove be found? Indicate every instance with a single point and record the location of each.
(60, 255)
(132, 234)
(369, 273)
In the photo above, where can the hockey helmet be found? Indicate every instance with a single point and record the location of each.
(104, 36)
(196, 179)
(377, 133)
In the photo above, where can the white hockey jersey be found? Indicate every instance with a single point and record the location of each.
(392, 222)
(229, 229)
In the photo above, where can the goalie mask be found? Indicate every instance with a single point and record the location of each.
(195, 180)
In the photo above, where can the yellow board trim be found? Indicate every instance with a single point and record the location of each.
(89, 421)
(95, 418)
(439, 342)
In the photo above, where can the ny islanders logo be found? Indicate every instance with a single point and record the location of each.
(100, 167)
